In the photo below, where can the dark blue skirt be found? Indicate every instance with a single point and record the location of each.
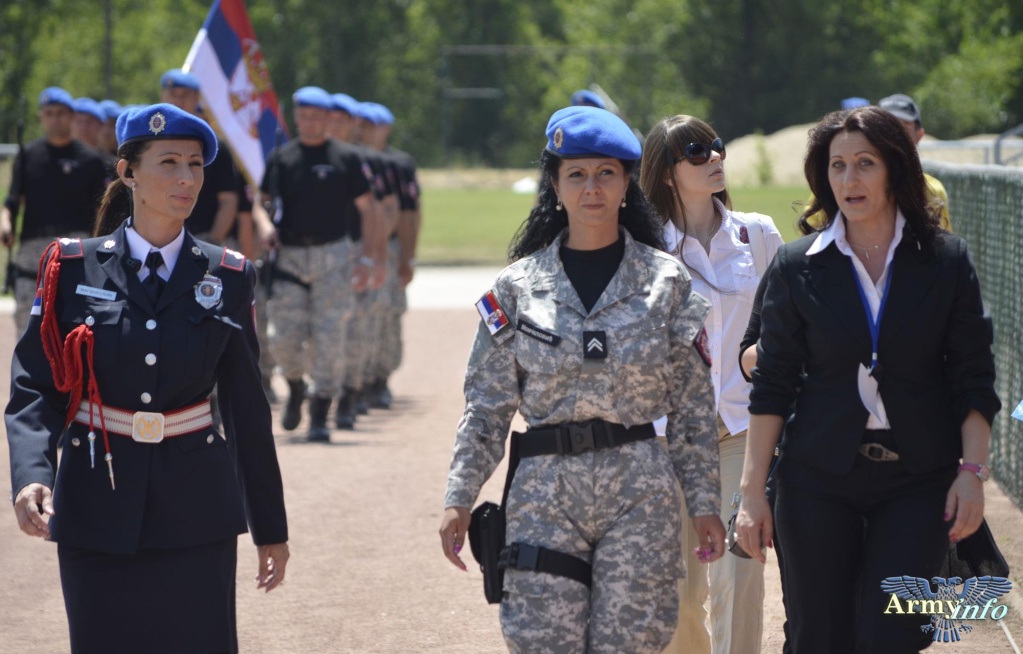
(154, 601)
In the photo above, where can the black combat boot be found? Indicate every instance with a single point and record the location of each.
(318, 408)
(344, 418)
(361, 399)
(293, 409)
(380, 395)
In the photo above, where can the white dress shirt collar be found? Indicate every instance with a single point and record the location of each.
(139, 248)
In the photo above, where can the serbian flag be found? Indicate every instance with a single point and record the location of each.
(237, 95)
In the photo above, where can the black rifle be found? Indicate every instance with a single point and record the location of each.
(12, 270)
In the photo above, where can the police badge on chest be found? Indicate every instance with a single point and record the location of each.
(208, 291)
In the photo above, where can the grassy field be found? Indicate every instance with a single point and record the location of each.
(473, 226)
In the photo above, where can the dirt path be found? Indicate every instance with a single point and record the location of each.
(366, 573)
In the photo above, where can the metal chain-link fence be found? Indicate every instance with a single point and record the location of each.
(986, 206)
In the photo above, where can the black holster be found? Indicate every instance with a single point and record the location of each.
(486, 538)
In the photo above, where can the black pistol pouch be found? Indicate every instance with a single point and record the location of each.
(486, 538)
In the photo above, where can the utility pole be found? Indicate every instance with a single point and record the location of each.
(108, 48)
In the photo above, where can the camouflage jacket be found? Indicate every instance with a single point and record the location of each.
(535, 365)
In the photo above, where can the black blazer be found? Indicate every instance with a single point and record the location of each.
(185, 491)
(934, 353)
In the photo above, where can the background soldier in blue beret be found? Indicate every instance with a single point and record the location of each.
(59, 181)
(214, 214)
(148, 498)
(317, 185)
(107, 132)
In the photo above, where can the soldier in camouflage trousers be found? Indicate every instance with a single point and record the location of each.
(562, 353)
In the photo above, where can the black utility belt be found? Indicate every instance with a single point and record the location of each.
(579, 437)
(295, 240)
(20, 272)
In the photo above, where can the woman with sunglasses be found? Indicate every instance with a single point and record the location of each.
(590, 336)
(683, 174)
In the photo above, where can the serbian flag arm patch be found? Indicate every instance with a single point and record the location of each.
(37, 304)
(702, 345)
(492, 314)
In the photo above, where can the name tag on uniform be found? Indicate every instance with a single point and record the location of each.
(92, 291)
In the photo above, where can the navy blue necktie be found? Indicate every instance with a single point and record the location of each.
(153, 284)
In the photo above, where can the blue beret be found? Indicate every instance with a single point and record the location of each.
(383, 114)
(56, 95)
(590, 132)
(852, 103)
(165, 121)
(366, 111)
(343, 102)
(177, 78)
(313, 96)
(584, 97)
(90, 107)
(111, 109)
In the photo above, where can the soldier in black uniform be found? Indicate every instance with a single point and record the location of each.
(148, 499)
(59, 181)
(216, 209)
(363, 324)
(317, 185)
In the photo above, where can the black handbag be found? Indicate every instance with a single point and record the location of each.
(731, 538)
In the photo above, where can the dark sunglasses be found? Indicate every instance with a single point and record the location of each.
(699, 153)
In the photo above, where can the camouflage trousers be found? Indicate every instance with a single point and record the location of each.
(27, 260)
(311, 324)
(617, 509)
(266, 357)
(363, 339)
(391, 305)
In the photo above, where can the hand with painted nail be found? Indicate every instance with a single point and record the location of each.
(453, 527)
(711, 532)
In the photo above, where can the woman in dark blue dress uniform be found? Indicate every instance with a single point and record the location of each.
(129, 334)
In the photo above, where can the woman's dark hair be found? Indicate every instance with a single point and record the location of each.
(545, 221)
(906, 184)
(116, 204)
(664, 144)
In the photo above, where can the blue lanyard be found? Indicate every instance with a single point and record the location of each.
(874, 323)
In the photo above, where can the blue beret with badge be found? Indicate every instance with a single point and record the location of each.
(177, 78)
(584, 97)
(56, 95)
(313, 96)
(89, 107)
(111, 109)
(583, 131)
(165, 121)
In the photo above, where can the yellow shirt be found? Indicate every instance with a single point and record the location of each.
(936, 197)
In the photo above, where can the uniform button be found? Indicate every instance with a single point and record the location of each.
(209, 439)
(90, 321)
(150, 325)
(76, 442)
(146, 398)
(150, 359)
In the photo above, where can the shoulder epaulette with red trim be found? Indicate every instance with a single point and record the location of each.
(233, 260)
(70, 248)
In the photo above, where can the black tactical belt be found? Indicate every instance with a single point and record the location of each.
(579, 437)
(522, 556)
(285, 276)
(21, 273)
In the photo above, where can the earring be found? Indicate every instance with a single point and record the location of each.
(558, 206)
(133, 186)
(623, 203)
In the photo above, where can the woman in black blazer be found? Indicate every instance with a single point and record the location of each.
(874, 329)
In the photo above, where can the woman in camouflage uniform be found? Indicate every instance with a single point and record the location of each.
(590, 336)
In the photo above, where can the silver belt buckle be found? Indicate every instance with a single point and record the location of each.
(147, 427)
